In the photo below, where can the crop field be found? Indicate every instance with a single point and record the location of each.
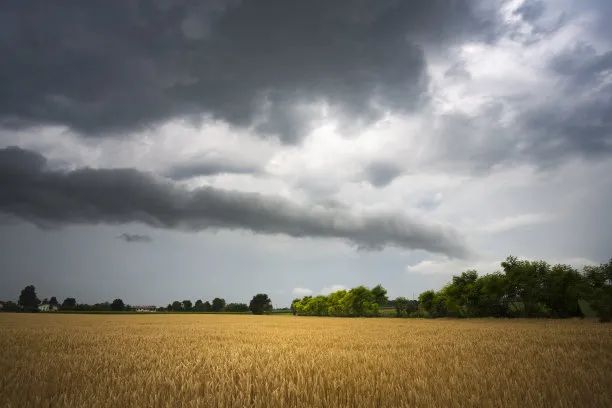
(171, 360)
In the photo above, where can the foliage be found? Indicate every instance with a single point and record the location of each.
(69, 304)
(599, 279)
(260, 304)
(236, 307)
(28, 300)
(117, 305)
(524, 288)
(359, 301)
(218, 304)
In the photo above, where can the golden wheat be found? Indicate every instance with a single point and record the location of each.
(283, 361)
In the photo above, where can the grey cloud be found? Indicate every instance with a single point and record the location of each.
(127, 237)
(209, 165)
(110, 67)
(87, 196)
(530, 10)
(380, 173)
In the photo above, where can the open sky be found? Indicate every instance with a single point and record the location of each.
(169, 150)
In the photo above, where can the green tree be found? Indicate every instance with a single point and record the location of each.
(206, 306)
(199, 306)
(69, 304)
(117, 305)
(380, 295)
(337, 303)
(187, 305)
(526, 283)
(426, 300)
(28, 299)
(599, 279)
(492, 295)
(237, 307)
(361, 302)
(400, 304)
(293, 307)
(260, 303)
(563, 287)
(177, 306)
(218, 304)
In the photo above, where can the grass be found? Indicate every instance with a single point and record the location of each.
(202, 360)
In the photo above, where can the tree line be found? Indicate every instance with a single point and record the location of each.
(29, 302)
(522, 289)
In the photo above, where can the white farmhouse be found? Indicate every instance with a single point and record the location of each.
(45, 307)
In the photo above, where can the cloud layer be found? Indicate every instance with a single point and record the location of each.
(274, 65)
(88, 196)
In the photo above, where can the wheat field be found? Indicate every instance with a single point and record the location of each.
(172, 360)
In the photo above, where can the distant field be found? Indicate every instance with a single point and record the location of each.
(284, 361)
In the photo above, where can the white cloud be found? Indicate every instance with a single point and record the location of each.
(330, 289)
(516, 221)
(301, 292)
(447, 266)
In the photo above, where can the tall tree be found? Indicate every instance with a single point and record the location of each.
(53, 302)
(28, 299)
(218, 304)
(380, 295)
(69, 304)
(187, 305)
(260, 303)
(599, 279)
(117, 305)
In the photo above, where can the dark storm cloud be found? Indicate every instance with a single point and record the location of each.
(88, 196)
(580, 124)
(101, 67)
(127, 237)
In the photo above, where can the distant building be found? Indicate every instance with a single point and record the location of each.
(145, 309)
(45, 307)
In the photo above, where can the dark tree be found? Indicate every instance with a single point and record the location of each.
(117, 305)
(199, 306)
(69, 304)
(599, 279)
(218, 304)
(206, 306)
(260, 303)
(53, 302)
(10, 306)
(187, 305)
(236, 307)
(28, 299)
(177, 306)
(380, 295)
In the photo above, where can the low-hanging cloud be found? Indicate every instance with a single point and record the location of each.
(35, 193)
(127, 237)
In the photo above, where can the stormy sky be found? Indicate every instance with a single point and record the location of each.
(163, 150)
